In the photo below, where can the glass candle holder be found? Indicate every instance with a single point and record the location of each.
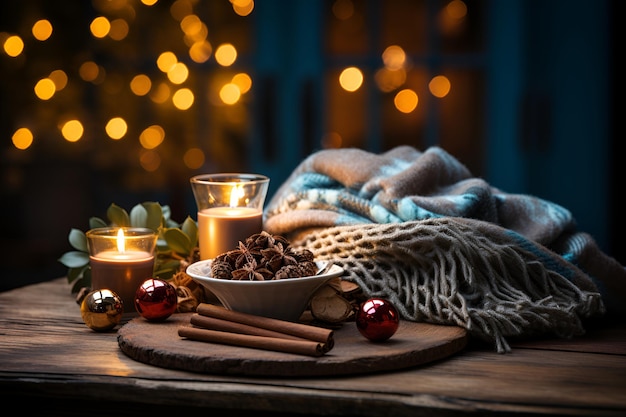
(121, 259)
(230, 209)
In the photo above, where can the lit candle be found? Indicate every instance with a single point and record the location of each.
(230, 209)
(121, 263)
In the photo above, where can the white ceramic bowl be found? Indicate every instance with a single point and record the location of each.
(284, 299)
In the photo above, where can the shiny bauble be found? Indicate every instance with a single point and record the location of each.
(377, 319)
(156, 299)
(102, 310)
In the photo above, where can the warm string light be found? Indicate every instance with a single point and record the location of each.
(113, 23)
(172, 91)
(393, 75)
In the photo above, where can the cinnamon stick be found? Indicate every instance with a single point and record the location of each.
(233, 327)
(304, 331)
(303, 347)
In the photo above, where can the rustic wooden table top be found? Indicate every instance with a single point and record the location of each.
(53, 364)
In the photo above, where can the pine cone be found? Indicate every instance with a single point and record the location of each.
(221, 269)
(288, 271)
(308, 268)
(263, 256)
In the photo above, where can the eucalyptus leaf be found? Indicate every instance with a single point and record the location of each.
(169, 264)
(78, 240)
(74, 259)
(175, 240)
(77, 286)
(165, 274)
(167, 269)
(83, 282)
(170, 224)
(167, 212)
(139, 216)
(74, 273)
(118, 216)
(154, 212)
(162, 246)
(190, 228)
(96, 222)
(178, 241)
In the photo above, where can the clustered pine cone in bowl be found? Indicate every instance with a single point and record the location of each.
(264, 276)
(262, 257)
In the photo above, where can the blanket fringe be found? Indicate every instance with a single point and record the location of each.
(443, 271)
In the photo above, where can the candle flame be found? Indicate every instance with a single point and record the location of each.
(236, 194)
(121, 244)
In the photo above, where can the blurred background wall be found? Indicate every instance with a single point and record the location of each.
(122, 101)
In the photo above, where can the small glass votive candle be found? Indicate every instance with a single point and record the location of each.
(230, 209)
(121, 259)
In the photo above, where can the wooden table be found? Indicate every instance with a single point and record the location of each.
(53, 364)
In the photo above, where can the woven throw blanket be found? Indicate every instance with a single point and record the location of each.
(446, 247)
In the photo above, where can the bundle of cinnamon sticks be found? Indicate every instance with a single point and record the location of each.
(216, 324)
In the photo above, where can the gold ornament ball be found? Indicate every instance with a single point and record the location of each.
(102, 310)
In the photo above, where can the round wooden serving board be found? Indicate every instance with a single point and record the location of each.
(413, 344)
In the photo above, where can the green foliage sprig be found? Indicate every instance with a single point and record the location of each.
(177, 244)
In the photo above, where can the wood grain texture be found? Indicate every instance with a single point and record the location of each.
(49, 356)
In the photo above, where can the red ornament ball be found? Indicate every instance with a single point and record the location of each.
(377, 319)
(156, 299)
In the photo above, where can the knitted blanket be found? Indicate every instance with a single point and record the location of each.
(446, 247)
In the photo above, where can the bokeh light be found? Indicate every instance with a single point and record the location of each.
(140, 85)
(72, 130)
(194, 158)
(243, 7)
(22, 138)
(388, 80)
(89, 71)
(13, 46)
(200, 51)
(100, 27)
(243, 81)
(226, 55)
(351, 79)
(394, 57)
(230, 93)
(42, 30)
(166, 61)
(152, 136)
(183, 99)
(439, 86)
(161, 93)
(406, 100)
(343, 9)
(116, 128)
(45, 89)
(178, 73)
(119, 29)
(456, 9)
(149, 160)
(59, 78)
